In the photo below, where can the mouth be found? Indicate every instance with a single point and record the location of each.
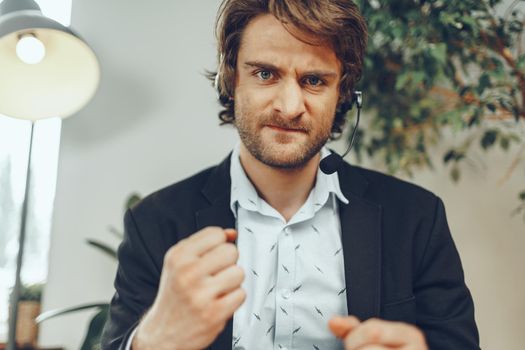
(285, 129)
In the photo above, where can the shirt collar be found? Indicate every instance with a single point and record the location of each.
(244, 194)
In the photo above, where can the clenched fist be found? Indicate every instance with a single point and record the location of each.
(199, 291)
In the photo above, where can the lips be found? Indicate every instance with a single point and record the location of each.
(285, 129)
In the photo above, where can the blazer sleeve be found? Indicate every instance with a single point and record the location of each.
(445, 310)
(136, 285)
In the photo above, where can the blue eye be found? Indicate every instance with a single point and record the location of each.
(264, 75)
(313, 81)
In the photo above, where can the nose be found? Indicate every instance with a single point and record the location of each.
(289, 100)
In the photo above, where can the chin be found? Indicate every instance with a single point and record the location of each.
(285, 157)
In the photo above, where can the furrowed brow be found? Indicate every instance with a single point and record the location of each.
(321, 74)
(262, 65)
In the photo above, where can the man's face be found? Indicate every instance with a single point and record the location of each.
(286, 92)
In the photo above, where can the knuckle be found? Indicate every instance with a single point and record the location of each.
(180, 246)
(239, 272)
(175, 252)
(373, 320)
(171, 258)
(242, 294)
(373, 323)
(213, 231)
(231, 251)
(186, 276)
(197, 305)
(183, 282)
(372, 330)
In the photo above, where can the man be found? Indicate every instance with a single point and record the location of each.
(353, 260)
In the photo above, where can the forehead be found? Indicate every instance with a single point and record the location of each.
(265, 38)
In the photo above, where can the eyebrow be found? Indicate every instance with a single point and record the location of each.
(271, 67)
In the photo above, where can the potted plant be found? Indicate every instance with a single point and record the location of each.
(28, 310)
(96, 324)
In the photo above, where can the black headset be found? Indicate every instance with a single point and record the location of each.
(333, 162)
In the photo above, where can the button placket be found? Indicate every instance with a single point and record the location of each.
(284, 284)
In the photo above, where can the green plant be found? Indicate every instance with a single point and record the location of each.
(521, 207)
(436, 65)
(97, 322)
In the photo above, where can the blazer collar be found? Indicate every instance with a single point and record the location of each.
(218, 185)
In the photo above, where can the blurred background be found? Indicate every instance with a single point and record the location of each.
(443, 89)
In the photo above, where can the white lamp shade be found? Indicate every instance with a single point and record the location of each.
(60, 85)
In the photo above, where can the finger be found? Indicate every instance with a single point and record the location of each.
(377, 347)
(204, 240)
(230, 302)
(217, 259)
(380, 332)
(226, 281)
(340, 326)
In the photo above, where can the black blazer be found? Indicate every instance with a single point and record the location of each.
(400, 260)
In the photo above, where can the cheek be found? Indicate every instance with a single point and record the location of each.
(252, 100)
(323, 110)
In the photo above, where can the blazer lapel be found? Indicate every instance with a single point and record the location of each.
(217, 191)
(361, 236)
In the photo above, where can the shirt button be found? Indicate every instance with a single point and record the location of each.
(286, 293)
(287, 230)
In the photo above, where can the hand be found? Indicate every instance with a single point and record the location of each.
(376, 334)
(199, 291)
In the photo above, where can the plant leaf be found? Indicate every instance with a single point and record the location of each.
(103, 247)
(440, 53)
(449, 156)
(489, 138)
(66, 310)
(115, 232)
(491, 107)
(455, 174)
(133, 199)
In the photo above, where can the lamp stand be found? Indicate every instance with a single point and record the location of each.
(15, 296)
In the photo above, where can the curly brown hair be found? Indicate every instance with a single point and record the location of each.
(338, 22)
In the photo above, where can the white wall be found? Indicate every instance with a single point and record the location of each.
(153, 122)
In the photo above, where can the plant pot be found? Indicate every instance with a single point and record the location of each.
(26, 327)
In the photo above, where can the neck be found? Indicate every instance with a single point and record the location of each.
(285, 190)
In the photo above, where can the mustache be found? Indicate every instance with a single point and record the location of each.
(294, 124)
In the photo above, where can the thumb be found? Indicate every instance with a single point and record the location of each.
(340, 326)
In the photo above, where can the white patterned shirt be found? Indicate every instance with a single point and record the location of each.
(294, 270)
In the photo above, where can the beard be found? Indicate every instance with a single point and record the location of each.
(281, 150)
